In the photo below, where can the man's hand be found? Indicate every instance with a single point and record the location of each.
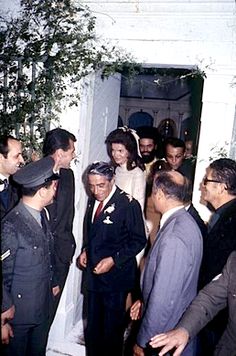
(7, 314)
(56, 290)
(138, 351)
(6, 332)
(82, 260)
(135, 310)
(177, 338)
(104, 265)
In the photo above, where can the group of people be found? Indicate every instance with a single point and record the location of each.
(145, 255)
(37, 210)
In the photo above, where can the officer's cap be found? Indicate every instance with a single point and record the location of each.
(36, 173)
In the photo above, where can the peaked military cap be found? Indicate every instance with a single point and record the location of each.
(36, 173)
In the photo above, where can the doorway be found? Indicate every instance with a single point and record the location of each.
(168, 98)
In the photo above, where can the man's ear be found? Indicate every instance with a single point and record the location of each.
(59, 153)
(1, 157)
(42, 192)
(158, 193)
(223, 187)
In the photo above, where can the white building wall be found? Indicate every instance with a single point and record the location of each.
(91, 123)
(184, 33)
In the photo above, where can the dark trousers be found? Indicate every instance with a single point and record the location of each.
(105, 323)
(28, 340)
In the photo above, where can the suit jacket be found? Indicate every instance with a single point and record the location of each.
(187, 168)
(202, 226)
(61, 213)
(170, 276)
(13, 199)
(118, 232)
(27, 267)
(210, 300)
(220, 242)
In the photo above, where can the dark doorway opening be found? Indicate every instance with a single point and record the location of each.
(169, 98)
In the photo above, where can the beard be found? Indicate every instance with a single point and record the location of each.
(149, 157)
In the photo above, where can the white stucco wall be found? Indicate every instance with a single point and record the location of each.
(184, 33)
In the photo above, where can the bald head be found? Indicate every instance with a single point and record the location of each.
(177, 177)
(173, 185)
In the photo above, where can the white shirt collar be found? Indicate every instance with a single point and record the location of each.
(2, 177)
(168, 213)
(113, 189)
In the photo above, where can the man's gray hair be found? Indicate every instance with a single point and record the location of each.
(102, 169)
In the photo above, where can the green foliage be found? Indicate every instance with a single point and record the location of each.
(217, 152)
(46, 49)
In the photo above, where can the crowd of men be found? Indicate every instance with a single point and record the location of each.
(187, 280)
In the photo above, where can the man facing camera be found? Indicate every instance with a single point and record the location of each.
(27, 262)
(11, 160)
(175, 155)
(115, 235)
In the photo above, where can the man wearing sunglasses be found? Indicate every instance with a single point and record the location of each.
(218, 188)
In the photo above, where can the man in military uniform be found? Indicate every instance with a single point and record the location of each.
(27, 262)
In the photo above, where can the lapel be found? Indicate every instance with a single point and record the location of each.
(103, 214)
(220, 224)
(89, 212)
(12, 199)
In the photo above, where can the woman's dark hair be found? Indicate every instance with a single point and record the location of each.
(124, 137)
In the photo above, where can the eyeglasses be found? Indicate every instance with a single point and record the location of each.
(206, 180)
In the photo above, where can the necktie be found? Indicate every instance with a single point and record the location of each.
(99, 208)
(5, 183)
(4, 194)
(43, 222)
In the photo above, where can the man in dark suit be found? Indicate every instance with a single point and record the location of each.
(115, 235)
(27, 262)
(215, 296)
(193, 211)
(170, 275)
(11, 160)
(59, 144)
(218, 188)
